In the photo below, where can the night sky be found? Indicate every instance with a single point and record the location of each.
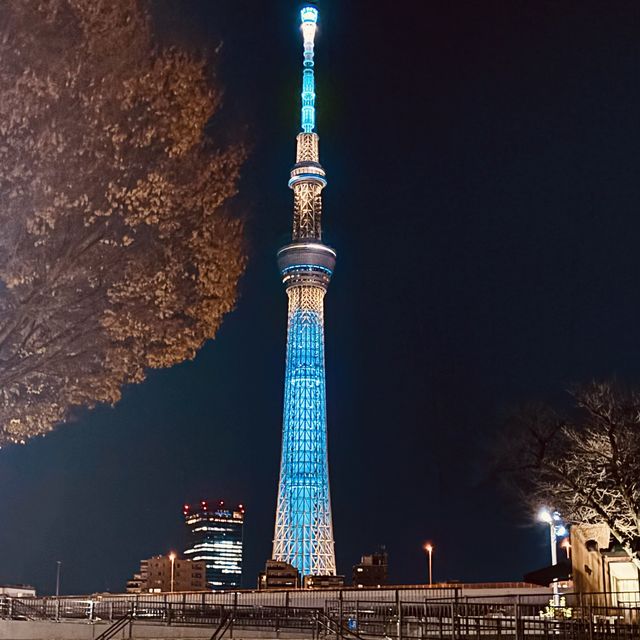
(484, 200)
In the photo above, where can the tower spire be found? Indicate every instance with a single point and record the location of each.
(304, 528)
(309, 16)
(308, 177)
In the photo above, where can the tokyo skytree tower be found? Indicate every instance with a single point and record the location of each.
(304, 530)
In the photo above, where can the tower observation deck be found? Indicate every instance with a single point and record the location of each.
(304, 530)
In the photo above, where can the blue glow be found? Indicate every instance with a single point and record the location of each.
(307, 267)
(309, 17)
(309, 14)
(304, 475)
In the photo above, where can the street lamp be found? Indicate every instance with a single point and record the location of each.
(556, 528)
(172, 557)
(59, 564)
(429, 549)
(566, 545)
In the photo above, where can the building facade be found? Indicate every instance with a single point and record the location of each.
(18, 591)
(599, 565)
(278, 575)
(372, 570)
(303, 534)
(168, 574)
(215, 538)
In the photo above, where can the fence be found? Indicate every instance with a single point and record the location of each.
(469, 618)
(101, 605)
(435, 616)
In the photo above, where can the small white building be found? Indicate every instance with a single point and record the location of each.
(17, 590)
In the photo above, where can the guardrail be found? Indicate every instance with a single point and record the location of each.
(468, 618)
(454, 618)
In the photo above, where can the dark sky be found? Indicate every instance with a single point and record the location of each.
(484, 202)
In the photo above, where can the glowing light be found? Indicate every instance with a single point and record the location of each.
(545, 516)
(304, 532)
(309, 17)
(561, 530)
(309, 14)
(428, 547)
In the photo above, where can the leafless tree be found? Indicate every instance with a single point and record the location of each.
(587, 465)
(117, 249)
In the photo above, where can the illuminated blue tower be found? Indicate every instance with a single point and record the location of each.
(304, 530)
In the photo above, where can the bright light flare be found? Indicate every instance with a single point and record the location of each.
(309, 14)
(544, 515)
(309, 17)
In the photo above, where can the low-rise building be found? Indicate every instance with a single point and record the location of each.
(600, 566)
(372, 570)
(162, 574)
(323, 582)
(17, 591)
(278, 575)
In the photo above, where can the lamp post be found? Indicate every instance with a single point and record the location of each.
(172, 557)
(555, 528)
(59, 564)
(566, 545)
(429, 549)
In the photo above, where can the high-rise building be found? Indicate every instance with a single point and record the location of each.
(216, 538)
(303, 529)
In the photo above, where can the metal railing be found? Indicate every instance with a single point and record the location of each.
(470, 618)
(583, 617)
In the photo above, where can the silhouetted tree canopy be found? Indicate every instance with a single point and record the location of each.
(117, 252)
(586, 465)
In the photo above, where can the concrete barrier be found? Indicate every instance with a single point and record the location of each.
(35, 630)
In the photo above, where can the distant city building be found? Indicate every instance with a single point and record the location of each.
(279, 575)
(216, 539)
(138, 583)
(162, 574)
(372, 570)
(17, 590)
(323, 582)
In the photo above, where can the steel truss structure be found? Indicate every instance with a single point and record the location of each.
(303, 529)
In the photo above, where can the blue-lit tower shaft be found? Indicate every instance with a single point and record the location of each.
(304, 530)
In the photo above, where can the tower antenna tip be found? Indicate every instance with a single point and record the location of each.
(309, 14)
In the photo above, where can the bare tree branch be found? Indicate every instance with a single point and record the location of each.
(587, 467)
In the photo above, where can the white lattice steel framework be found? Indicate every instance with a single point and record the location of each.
(304, 530)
